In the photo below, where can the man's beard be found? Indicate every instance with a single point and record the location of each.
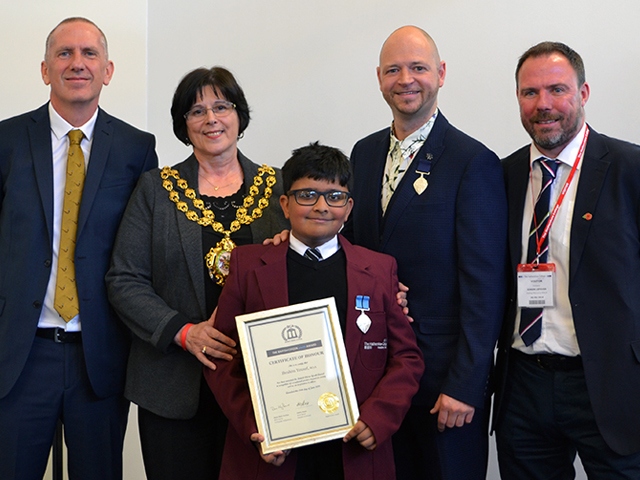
(550, 141)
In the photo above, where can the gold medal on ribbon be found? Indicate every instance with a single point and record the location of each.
(421, 184)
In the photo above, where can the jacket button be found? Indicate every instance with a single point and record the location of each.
(47, 263)
(37, 304)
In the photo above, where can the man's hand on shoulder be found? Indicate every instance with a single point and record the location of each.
(277, 239)
(401, 297)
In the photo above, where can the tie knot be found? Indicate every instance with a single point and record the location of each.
(75, 137)
(313, 254)
(549, 167)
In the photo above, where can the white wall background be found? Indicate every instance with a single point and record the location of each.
(308, 68)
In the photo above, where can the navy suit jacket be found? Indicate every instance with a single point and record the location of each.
(450, 245)
(119, 154)
(604, 281)
(384, 379)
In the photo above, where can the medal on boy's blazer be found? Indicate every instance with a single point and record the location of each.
(424, 169)
(363, 321)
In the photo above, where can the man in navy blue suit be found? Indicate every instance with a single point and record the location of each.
(569, 355)
(64, 359)
(434, 198)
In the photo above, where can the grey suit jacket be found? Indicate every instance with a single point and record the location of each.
(156, 285)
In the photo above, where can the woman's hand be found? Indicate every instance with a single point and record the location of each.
(205, 342)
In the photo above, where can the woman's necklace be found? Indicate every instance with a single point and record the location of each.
(216, 188)
(217, 260)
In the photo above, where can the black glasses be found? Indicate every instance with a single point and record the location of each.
(220, 108)
(307, 198)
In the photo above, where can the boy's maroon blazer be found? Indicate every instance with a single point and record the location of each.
(385, 380)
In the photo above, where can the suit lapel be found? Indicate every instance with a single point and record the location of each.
(593, 171)
(432, 150)
(372, 179)
(102, 138)
(517, 184)
(274, 294)
(40, 143)
(190, 233)
(359, 282)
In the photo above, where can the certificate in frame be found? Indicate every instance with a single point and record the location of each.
(298, 373)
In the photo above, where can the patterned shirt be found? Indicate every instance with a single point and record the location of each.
(399, 158)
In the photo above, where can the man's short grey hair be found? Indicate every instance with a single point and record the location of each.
(103, 37)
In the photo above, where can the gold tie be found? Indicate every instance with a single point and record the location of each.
(66, 297)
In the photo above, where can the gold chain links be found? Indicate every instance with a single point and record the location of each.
(208, 218)
(217, 260)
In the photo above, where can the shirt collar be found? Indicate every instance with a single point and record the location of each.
(568, 154)
(420, 135)
(60, 127)
(326, 249)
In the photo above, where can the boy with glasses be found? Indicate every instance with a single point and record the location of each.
(316, 262)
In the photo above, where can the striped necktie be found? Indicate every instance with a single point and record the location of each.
(531, 318)
(313, 254)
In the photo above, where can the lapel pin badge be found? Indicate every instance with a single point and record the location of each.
(363, 321)
(587, 216)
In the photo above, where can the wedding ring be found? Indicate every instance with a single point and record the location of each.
(204, 350)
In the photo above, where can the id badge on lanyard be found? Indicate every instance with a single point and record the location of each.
(535, 285)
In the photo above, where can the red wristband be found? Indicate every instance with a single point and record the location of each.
(183, 335)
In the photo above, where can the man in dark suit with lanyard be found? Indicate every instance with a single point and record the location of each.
(66, 172)
(569, 356)
(434, 198)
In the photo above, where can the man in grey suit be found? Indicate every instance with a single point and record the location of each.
(66, 172)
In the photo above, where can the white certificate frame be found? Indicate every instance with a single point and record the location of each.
(295, 401)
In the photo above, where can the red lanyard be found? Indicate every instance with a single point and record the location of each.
(540, 240)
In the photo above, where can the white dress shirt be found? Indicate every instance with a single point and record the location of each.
(49, 318)
(558, 331)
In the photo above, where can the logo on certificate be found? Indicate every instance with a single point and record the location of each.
(291, 333)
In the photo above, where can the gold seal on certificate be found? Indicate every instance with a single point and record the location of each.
(298, 374)
(329, 402)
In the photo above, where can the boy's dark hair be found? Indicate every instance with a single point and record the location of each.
(319, 162)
